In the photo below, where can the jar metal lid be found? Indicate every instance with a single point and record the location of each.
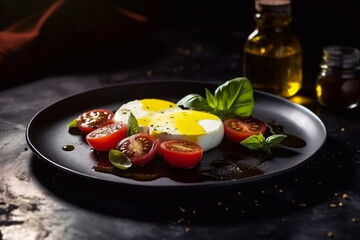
(341, 56)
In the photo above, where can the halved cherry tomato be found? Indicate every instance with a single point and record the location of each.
(91, 120)
(140, 148)
(238, 129)
(180, 153)
(106, 137)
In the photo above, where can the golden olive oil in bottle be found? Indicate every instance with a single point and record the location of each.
(272, 53)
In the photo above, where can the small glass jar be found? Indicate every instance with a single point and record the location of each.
(338, 83)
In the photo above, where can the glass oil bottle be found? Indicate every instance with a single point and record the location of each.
(272, 53)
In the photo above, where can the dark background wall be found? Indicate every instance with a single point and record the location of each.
(327, 20)
(317, 23)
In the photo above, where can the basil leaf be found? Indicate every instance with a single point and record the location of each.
(210, 98)
(194, 101)
(251, 143)
(258, 142)
(132, 125)
(235, 97)
(119, 160)
(274, 140)
(254, 142)
(266, 149)
(73, 123)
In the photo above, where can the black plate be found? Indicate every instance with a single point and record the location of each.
(47, 131)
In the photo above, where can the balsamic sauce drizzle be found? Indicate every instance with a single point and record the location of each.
(229, 161)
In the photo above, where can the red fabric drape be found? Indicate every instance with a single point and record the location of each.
(64, 35)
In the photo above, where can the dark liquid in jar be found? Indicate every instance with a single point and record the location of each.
(337, 91)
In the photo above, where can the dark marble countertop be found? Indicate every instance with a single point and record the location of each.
(41, 202)
(320, 200)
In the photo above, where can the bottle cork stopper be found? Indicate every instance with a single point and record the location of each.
(260, 4)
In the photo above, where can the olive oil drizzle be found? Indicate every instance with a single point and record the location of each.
(68, 148)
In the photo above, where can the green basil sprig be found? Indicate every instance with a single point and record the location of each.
(119, 160)
(233, 98)
(258, 142)
(132, 125)
(73, 123)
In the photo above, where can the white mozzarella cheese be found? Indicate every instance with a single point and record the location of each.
(145, 110)
(204, 129)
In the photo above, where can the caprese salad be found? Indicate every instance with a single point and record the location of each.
(180, 132)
